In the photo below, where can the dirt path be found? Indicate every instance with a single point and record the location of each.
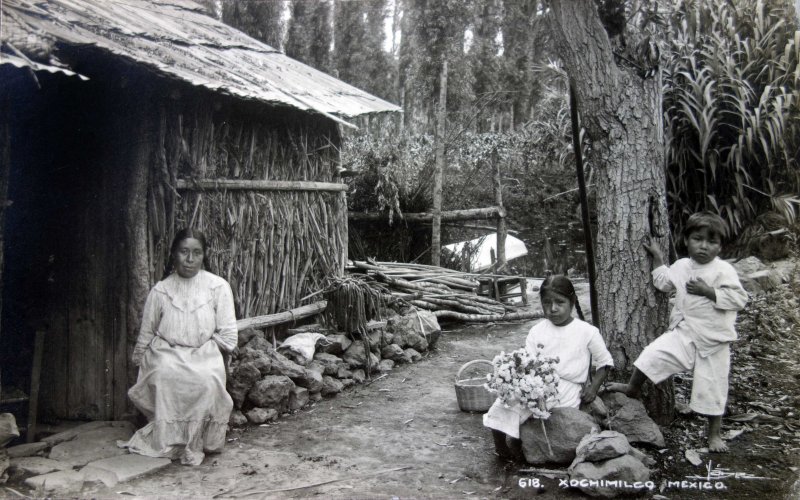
(410, 419)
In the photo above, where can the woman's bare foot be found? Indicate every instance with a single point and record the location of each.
(716, 444)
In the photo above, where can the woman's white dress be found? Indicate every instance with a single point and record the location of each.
(576, 344)
(181, 383)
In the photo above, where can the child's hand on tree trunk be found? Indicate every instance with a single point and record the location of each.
(654, 251)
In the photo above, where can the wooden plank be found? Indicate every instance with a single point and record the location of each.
(36, 372)
(282, 317)
(259, 185)
(450, 215)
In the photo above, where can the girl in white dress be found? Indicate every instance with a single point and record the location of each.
(576, 343)
(188, 321)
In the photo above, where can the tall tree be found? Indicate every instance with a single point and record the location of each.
(485, 61)
(350, 56)
(620, 109)
(310, 33)
(258, 18)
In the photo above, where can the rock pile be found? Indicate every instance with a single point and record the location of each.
(266, 382)
(606, 465)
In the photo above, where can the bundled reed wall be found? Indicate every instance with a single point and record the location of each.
(273, 247)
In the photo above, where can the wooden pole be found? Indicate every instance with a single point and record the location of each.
(502, 230)
(587, 227)
(282, 317)
(36, 374)
(450, 215)
(259, 185)
(436, 230)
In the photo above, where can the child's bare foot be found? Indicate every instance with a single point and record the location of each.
(716, 444)
(626, 389)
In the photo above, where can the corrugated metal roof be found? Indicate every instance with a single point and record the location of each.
(19, 62)
(177, 39)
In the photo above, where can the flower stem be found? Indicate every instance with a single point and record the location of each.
(544, 430)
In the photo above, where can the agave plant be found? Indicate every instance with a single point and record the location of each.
(731, 108)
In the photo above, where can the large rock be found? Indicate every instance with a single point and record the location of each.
(244, 376)
(62, 483)
(330, 363)
(111, 471)
(281, 365)
(93, 445)
(602, 446)
(27, 449)
(628, 416)
(385, 365)
(624, 468)
(311, 380)
(356, 356)
(258, 358)
(8, 429)
(748, 265)
(421, 324)
(336, 344)
(761, 281)
(36, 466)
(259, 343)
(271, 392)
(565, 429)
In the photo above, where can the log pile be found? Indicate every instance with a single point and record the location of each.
(448, 293)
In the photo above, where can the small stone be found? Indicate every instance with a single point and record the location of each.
(27, 449)
(261, 415)
(411, 355)
(344, 372)
(247, 335)
(359, 376)
(259, 343)
(316, 366)
(330, 362)
(375, 341)
(315, 396)
(271, 392)
(347, 382)
(336, 344)
(602, 446)
(237, 419)
(356, 356)
(393, 352)
(8, 429)
(331, 386)
(36, 466)
(281, 365)
(385, 365)
(298, 398)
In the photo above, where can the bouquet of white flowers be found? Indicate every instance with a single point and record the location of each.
(526, 379)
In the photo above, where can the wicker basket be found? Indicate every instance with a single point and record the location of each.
(470, 392)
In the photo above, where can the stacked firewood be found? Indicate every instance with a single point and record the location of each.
(448, 293)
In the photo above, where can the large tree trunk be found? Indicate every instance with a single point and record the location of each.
(621, 114)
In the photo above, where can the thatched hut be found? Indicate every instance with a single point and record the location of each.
(123, 121)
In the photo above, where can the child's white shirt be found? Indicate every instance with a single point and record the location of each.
(575, 344)
(710, 324)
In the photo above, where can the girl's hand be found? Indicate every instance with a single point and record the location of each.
(588, 393)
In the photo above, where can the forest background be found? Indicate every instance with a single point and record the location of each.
(729, 74)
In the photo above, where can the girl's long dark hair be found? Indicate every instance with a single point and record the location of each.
(560, 284)
(180, 236)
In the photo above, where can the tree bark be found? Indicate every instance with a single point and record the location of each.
(621, 115)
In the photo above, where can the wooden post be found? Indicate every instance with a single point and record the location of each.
(436, 231)
(36, 375)
(502, 229)
(587, 227)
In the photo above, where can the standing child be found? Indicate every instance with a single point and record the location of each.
(701, 325)
(576, 343)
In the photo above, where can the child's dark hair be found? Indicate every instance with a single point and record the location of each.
(706, 220)
(560, 284)
(180, 236)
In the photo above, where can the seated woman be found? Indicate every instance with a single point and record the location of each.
(188, 320)
(576, 344)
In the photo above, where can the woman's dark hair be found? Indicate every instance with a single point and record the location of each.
(560, 284)
(173, 248)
